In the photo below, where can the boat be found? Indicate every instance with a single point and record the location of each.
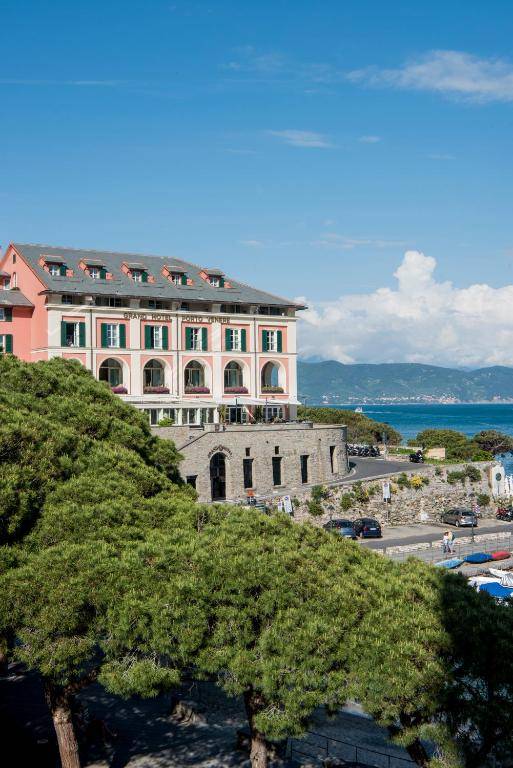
(359, 409)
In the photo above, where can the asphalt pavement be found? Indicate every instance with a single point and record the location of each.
(427, 534)
(365, 469)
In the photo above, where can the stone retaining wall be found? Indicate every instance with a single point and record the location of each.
(423, 505)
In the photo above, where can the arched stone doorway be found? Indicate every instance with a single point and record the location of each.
(218, 476)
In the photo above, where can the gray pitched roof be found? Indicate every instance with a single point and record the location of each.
(123, 285)
(13, 298)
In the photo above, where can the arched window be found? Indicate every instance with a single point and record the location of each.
(270, 376)
(154, 374)
(194, 375)
(111, 371)
(233, 376)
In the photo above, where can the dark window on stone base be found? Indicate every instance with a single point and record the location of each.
(247, 468)
(304, 468)
(191, 480)
(276, 470)
(333, 458)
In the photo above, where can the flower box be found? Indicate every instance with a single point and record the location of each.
(119, 390)
(236, 390)
(197, 391)
(156, 390)
(273, 390)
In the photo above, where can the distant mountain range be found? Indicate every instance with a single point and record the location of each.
(333, 382)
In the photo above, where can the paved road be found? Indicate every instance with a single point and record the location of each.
(429, 534)
(362, 469)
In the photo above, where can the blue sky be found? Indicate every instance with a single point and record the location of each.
(303, 146)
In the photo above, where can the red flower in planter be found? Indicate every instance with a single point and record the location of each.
(156, 390)
(197, 391)
(119, 390)
(236, 390)
(273, 390)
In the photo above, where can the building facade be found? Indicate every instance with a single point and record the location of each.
(187, 344)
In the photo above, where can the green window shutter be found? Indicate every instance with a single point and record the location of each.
(81, 334)
(165, 337)
(280, 341)
(265, 341)
(144, 277)
(243, 340)
(8, 314)
(62, 270)
(204, 339)
(104, 334)
(103, 273)
(184, 280)
(122, 336)
(63, 333)
(221, 282)
(8, 342)
(188, 338)
(148, 341)
(228, 340)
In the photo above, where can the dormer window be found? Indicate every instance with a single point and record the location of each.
(214, 277)
(54, 269)
(96, 272)
(214, 281)
(178, 279)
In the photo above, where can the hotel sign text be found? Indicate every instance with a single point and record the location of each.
(163, 317)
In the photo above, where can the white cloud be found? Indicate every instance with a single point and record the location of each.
(369, 139)
(251, 243)
(454, 73)
(441, 156)
(419, 320)
(307, 139)
(337, 242)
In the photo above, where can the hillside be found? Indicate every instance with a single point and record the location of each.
(334, 382)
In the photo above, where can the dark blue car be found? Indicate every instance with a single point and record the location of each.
(367, 528)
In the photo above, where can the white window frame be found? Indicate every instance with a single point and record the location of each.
(176, 279)
(137, 275)
(76, 334)
(2, 342)
(7, 283)
(236, 339)
(157, 336)
(196, 339)
(95, 273)
(214, 281)
(54, 270)
(2, 313)
(113, 335)
(272, 341)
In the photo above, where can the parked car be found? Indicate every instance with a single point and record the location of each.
(417, 457)
(342, 527)
(505, 514)
(460, 517)
(367, 528)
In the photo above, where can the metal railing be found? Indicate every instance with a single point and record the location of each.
(431, 552)
(317, 747)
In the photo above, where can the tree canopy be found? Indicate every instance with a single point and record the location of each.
(360, 428)
(458, 447)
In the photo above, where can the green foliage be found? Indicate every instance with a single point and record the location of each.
(314, 507)
(320, 493)
(456, 476)
(467, 473)
(483, 499)
(346, 502)
(361, 495)
(166, 422)
(493, 441)
(360, 428)
(458, 447)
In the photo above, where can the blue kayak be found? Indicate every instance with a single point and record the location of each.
(454, 562)
(478, 558)
(496, 590)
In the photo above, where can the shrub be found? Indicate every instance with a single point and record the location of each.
(166, 422)
(473, 473)
(360, 494)
(346, 502)
(320, 493)
(403, 480)
(483, 499)
(455, 476)
(315, 507)
(416, 482)
(438, 471)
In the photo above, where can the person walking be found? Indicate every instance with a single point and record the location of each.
(450, 542)
(445, 542)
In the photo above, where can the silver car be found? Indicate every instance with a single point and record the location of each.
(463, 518)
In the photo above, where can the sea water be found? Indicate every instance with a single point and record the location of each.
(469, 418)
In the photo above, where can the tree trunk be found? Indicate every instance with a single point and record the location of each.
(259, 752)
(417, 753)
(59, 702)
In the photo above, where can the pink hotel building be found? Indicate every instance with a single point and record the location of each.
(179, 341)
